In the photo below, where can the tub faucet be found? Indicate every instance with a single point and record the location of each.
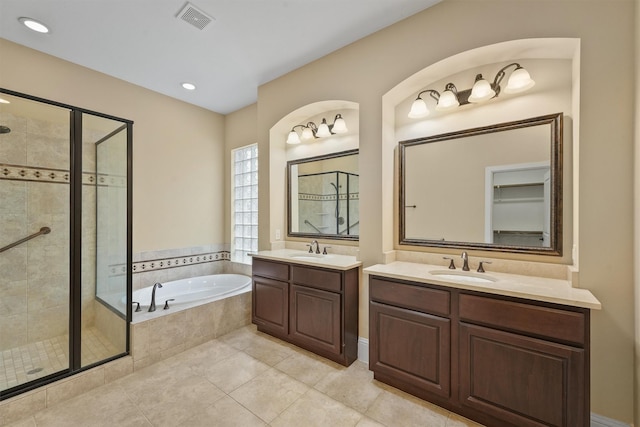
(152, 307)
(465, 261)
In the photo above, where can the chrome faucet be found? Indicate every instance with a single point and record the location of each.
(152, 307)
(317, 245)
(465, 261)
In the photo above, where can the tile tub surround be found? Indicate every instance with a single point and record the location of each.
(243, 378)
(156, 339)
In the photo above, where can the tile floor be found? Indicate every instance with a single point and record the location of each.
(35, 360)
(246, 379)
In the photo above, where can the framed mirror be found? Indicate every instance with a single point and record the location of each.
(496, 188)
(323, 196)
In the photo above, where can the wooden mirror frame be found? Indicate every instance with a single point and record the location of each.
(556, 148)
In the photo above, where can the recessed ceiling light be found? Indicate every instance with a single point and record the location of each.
(189, 86)
(34, 25)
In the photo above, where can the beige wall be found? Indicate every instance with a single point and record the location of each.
(178, 148)
(240, 130)
(364, 71)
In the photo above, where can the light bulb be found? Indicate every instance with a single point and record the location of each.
(339, 125)
(418, 109)
(293, 137)
(481, 90)
(448, 101)
(323, 130)
(34, 25)
(307, 133)
(519, 81)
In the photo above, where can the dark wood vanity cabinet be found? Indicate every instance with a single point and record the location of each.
(410, 335)
(498, 360)
(312, 307)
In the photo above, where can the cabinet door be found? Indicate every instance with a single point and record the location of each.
(316, 319)
(524, 381)
(411, 346)
(270, 305)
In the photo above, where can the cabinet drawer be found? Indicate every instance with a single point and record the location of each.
(317, 278)
(428, 300)
(274, 270)
(568, 326)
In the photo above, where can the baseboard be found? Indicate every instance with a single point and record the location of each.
(600, 421)
(363, 350)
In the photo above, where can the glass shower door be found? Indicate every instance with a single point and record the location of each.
(104, 231)
(34, 240)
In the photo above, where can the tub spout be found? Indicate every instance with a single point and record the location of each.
(152, 306)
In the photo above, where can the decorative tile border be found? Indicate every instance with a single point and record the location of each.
(326, 197)
(181, 261)
(59, 176)
(24, 173)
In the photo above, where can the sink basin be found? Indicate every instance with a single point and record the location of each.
(307, 256)
(464, 276)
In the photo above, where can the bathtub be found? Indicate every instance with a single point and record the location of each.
(190, 292)
(205, 308)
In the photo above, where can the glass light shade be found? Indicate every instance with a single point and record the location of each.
(323, 130)
(293, 138)
(519, 81)
(448, 101)
(4, 101)
(481, 91)
(307, 133)
(34, 25)
(340, 126)
(418, 109)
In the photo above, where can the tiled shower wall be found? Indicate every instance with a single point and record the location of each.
(34, 190)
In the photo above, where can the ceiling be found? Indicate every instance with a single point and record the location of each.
(248, 42)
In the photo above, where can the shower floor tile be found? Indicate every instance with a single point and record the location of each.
(35, 360)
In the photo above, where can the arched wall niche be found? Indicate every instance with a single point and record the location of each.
(280, 153)
(559, 53)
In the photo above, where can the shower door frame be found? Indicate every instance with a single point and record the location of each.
(75, 238)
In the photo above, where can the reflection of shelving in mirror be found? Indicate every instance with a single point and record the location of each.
(519, 193)
(519, 209)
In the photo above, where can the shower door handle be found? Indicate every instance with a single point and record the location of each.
(43, 230)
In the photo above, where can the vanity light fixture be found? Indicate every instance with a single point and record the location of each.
(482, 91)
(311, 130)
(33, 25)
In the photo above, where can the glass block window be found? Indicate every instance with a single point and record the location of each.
(245, 203)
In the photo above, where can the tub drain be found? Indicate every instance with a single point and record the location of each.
(34, 371)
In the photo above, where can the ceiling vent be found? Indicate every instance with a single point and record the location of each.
(195, 16)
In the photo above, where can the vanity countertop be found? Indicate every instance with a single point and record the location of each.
(528, 287)
(335, 261)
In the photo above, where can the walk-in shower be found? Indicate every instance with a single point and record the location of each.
(65, 240)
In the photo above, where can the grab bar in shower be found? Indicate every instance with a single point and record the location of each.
(43, 230)
(306, 221)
